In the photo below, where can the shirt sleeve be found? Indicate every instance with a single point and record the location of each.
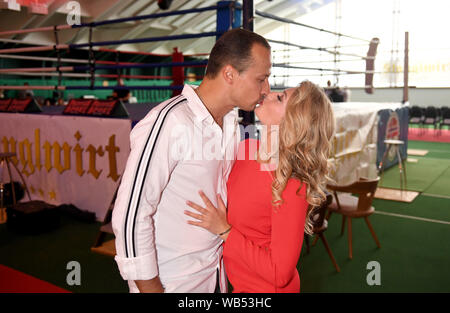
(277, 262)
(146, 174)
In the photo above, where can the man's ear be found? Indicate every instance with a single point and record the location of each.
(228, 73)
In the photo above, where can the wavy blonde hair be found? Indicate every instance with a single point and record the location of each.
(304, 145)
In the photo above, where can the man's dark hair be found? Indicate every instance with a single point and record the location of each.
(234, 48)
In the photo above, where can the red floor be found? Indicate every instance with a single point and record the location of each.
(13, 281)
(429, 134)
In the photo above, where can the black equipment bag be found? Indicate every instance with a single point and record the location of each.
(8, 194)
(33, 217)
(79, 215)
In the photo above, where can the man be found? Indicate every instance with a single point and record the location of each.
(25, 93)
(157, 250)
(122, 93)
(336, 95)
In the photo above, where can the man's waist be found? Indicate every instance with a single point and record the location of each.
(183, 265)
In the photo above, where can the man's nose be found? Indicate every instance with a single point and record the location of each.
(266, 88)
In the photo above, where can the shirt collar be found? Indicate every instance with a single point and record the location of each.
(199, 109)
(231, 118)
(195, 104)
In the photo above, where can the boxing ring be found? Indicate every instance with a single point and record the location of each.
(79, 159)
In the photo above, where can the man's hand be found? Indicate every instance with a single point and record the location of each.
(150, 286)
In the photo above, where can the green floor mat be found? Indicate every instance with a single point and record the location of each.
(422, 207)
(412, 257)
(45, 256)
(437, 150)
(441, 186)
(420, 175)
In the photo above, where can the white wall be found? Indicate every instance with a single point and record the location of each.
(422, 97)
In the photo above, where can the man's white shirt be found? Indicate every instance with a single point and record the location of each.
(176, 150)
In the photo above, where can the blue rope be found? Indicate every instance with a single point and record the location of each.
(148, 39)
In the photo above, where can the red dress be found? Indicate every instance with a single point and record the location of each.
(262, 250)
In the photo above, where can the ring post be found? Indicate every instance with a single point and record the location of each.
(228, 16)
(177, 71)
(248, 118)
(406, 70)
(249, 15)
(370, 65)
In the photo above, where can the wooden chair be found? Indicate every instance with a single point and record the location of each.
(354, 207)
(320, 225)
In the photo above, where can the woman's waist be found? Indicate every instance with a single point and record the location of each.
(246, 279)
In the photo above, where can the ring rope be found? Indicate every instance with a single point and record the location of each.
(88, 87)
(284, 65)
(285, 20)
(86, 75)
(147, 39)
(319, 49)
(105, 67)
(63, 60)
(112, 42)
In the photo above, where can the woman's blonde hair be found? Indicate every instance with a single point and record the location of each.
(304, 145)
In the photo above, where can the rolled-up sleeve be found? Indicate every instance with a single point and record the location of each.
(146, 174)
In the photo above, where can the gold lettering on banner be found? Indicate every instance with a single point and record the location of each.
(52, 195)
(48, 156)
(59, 155)
(25, 156)
(92, 160)
(37, 147)
(78, 156)
(112, 149)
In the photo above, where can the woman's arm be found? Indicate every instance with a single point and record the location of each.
(276, 263)
(209, 217)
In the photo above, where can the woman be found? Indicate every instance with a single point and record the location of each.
(270, 196)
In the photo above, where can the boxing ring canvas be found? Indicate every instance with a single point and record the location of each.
(67, 159)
